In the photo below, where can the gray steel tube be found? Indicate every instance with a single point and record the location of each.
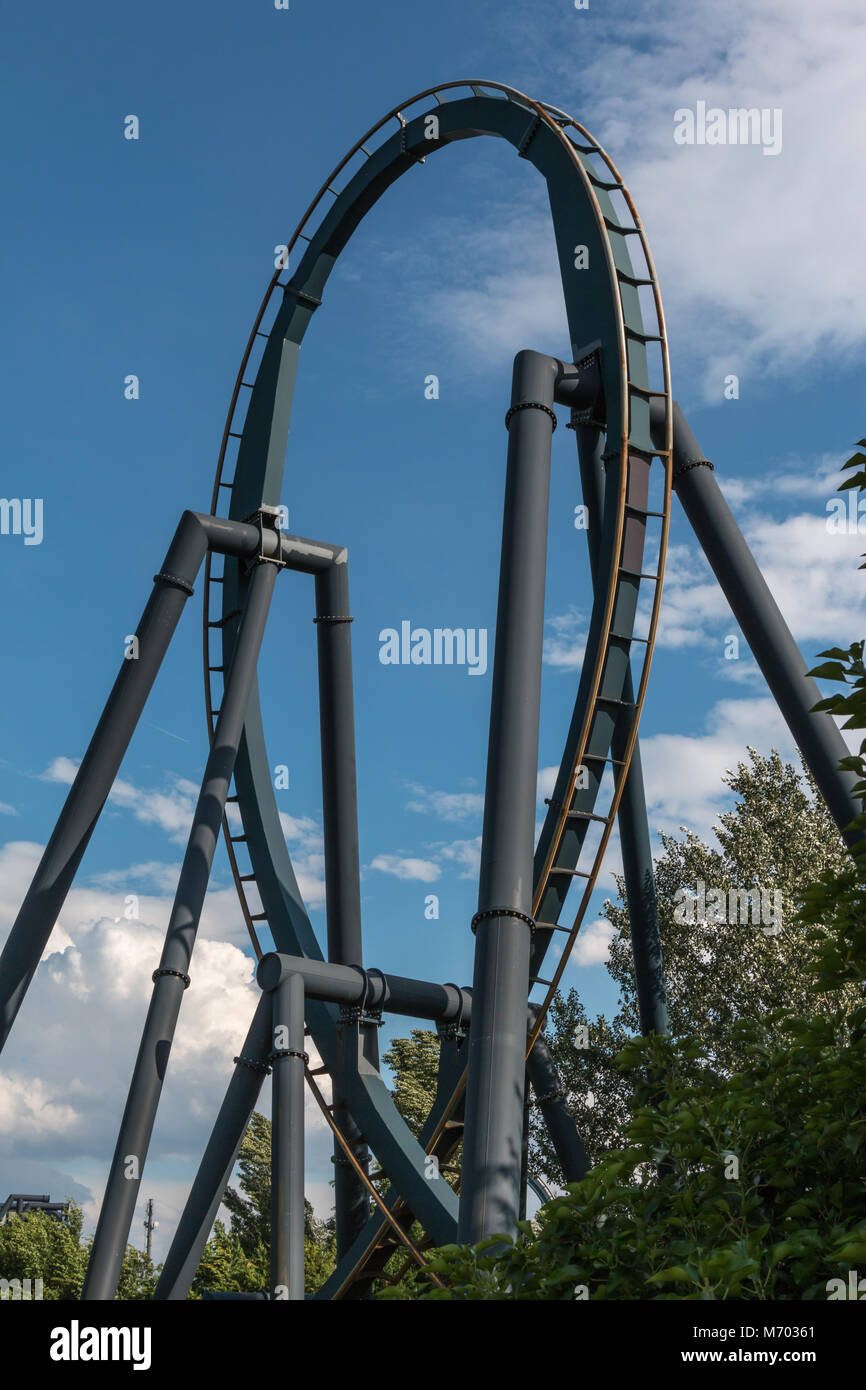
(774, 649)
(99, 767)
(349, 984)
(342, 866)
(339, 776)
(287, 1141)
(552, 1102)
(490, 1192)
(171, 978)
(218, 1160)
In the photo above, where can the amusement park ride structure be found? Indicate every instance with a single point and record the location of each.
(634, 448)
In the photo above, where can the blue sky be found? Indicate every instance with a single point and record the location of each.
(150, 257)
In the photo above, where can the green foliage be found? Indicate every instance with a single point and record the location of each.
(414, 1062)
(227, 1267)
(237, 1260)
(250, 1208)
(37, 1246)
(747, 1186)
(778, 836)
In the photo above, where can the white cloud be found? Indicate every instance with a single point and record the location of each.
(172, 811)
(153, 874)
(567, 646)
(32, 1110)
(466, 853)
(6, 810)
(406, 867)
(683, 772)
(67, 1064)
(811, 573)
(307, 846)
(454, 806)
(759, 257)
(592, 946)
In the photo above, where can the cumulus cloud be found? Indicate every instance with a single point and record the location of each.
(592, 946)
(170, 809)
(67, 1064)
(465, 853)
(455, 806)
(683, 772)
(811, 569)
(407, 867)
(759, 257)
(565, 648)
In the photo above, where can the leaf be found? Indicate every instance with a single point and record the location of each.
(673, 1274)
(829, 671)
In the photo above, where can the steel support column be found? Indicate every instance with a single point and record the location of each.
(774, 649)
(171, 978)
(553, 1104)
(342, 867)
(490, 1194)
(287, 1140)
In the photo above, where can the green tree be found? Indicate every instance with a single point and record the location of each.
(237, 1260)
(37, 1246)
(226, 1267)
(250, 1207)
(414, 1062)
(776, 838)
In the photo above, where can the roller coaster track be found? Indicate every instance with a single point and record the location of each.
(591, 207)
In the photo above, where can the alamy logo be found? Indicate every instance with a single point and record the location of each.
(444, 646)
(714, 905)
(855, 1287)
(739, 125)
(18, 1289)
(847, 518)
(77, 1343)
(22, 516)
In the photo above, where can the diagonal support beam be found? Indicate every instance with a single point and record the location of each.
(768, 635)
(99, 767)
(196, 533)
(171, 978)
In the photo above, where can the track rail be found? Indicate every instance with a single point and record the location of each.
(631, 456)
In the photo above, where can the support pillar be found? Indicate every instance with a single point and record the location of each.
(490, 1194)
(342, 868)
(287, 1141)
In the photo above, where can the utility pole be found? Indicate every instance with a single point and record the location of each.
(150, 1226)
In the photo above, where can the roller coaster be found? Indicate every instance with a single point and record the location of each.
(634, 450)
